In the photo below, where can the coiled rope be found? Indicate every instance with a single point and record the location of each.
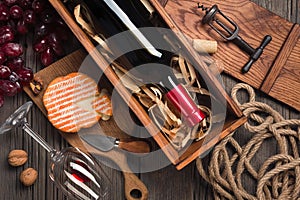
(276, 177)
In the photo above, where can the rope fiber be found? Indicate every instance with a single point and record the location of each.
(275, 177)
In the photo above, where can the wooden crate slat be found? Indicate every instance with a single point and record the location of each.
(276, 71)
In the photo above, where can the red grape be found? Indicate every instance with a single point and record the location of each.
(8, 88)
(3, 58)
(12, 49)
(47, 57)
(22, 27)
(58, 50)
(26, 4)
(38, 6)
(40, 45)
(10, 2)
(15, 63)
(4, 71)
(6, 34)
(53, 39)
(42, 29)
(1, 100)
(16, 12)
(4, 12)
(47, 16)
(17, 17)
(29, 17)
(25, 75)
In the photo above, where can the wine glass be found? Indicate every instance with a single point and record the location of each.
(74, 172)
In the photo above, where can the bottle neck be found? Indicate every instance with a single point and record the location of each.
(183, 102)
(169, 81)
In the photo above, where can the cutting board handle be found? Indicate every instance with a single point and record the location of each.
(134, 188)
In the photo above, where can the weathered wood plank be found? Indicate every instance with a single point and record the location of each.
(286, 79)
(165, 184)
(204, 191)
(289, 51)
(254, 22)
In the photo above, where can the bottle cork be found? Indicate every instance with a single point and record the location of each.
(205, 46)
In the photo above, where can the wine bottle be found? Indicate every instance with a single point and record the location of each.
(162, 75)
(182, 101)
(173, 91)
(109, 14)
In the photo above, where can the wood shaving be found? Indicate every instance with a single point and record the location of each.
(162, 113)
(150, 96)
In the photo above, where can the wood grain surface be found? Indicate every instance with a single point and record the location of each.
(166, 183)
(254, 23)
(284, 75)
(276, 65)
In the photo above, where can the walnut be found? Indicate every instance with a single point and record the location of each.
(17, 157)
(36, 85)
(28, 176)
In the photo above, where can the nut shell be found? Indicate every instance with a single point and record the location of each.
(17, 157)
(28, 176)
(36, 85)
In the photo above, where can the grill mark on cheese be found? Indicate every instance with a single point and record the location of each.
(74, 92)
(102, 108)
(76, 116)
(61, 83)
(64, 113)
(65, 100)
(60, 101)
(103, 105)
(70, 90)
(72, 98)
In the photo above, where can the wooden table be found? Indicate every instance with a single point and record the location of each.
(167, 183)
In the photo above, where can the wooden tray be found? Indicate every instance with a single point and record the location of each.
(64, 66)
(277, 71)
(234, 119)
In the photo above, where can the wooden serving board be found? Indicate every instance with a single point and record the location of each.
(277, 71)
(64, 66)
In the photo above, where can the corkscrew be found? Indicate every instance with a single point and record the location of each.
(229, 30)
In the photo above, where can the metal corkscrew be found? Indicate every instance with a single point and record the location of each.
(229, 30)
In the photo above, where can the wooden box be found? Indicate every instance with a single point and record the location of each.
(276, 72)
(234, 116)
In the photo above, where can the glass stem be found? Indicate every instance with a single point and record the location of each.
(27, 128)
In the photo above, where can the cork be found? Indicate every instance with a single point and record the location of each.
(205, 46)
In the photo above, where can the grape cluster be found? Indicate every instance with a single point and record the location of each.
(18, 17)
(51, 32)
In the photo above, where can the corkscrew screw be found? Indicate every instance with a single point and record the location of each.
(229, 30)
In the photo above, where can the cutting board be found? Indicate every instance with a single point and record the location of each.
(277, 71)
(72, 63)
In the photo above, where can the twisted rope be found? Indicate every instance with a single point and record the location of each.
(277, 176)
